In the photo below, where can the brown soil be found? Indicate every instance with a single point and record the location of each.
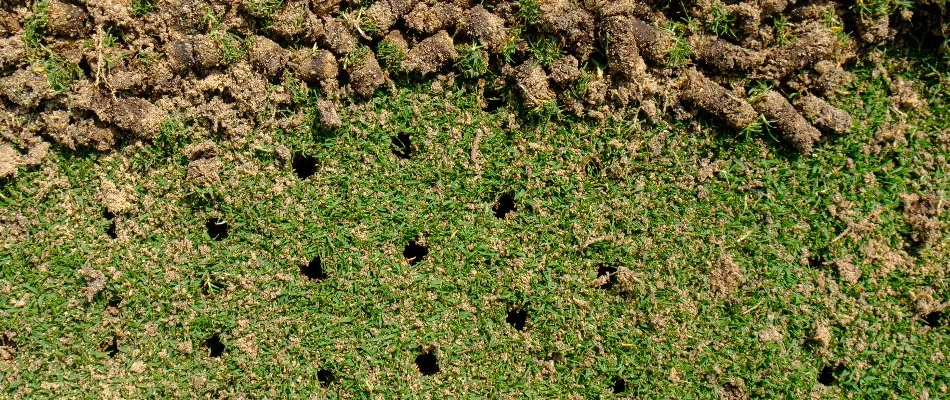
(824, 115)
(100, 75)
(716, 100)
(920, 212)
(796, 130)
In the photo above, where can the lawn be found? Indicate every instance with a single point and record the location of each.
(431, 249)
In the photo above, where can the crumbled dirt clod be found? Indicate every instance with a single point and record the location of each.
(65, 20)
(25, 88)
(716, 100)
(822, 336)
(824, 115)
(203, 166)
(267, 56)
(113, 199)
(431, 54)
(132, 114)
(77, 134)
(725, 277)
(565, 70)
(921, 213)
(725, 56)
(95, 282)
(873, 30)
(328, 115)
(9, 161)
(904, 95)
(796, 130)
(485, 27)
(533, 84)
(12, 52)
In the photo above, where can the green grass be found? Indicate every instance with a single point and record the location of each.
(391, 56)
(668, 204)
(142, 7)
(472, 60)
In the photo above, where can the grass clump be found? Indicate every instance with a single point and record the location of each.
(545, 51)
(34, 26)
(264, 9)
(472, 61)
(391, 56)
(529, 11)
(721, 23)
(142, 7)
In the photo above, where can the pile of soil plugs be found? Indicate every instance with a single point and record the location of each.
(98, 74)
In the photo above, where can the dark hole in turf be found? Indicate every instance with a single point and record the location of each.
(934, 319)
(6, 340)
(402, 145)
(620, 385)
(817, 259)
(217, 229)
(415, 252)
(829, 374)
(110, 230)
(113, 348)
(325, 377)
(107, 214)
(517, 317)
(609, 272)
(114, 302)
(427, 363)
(304, 166)
(210, 286)
(505, 205)
(214, 345)
(314, 269)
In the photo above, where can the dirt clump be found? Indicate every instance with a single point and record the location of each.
(485, 27)
(534, 85)
(566, 19)
(316, 67)
(65, 20)
(716, 100)
(623, 55)
(921, 214)
(12, 52)
(725, 277)
(429, 19)
(654, 44)
(267, 56)
(795, 129)
(824, 115)
(725, 56)
(180, 55)
(904, 95)
(565, 70)
(338, 37)
(135, 115)
(114, 199)
(431, 54)
(366, 75)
